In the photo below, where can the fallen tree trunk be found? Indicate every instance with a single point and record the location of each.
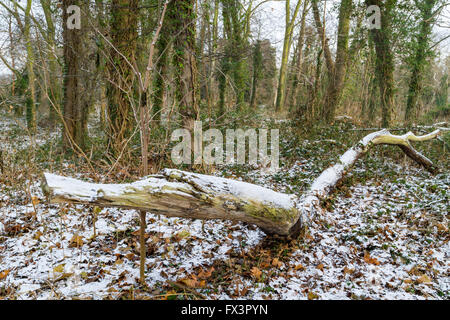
(190, 195)
(177, 193)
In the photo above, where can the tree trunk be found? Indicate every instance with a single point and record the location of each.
(120, 90)
(181, 16)
(200, 46)
(31, 94)
(299, 64)
(337, 68)
(289, 28)
(257, 71)
(161, 75)
(321, 31)
(54, 88)
(189, 195)
(213, 51)
(236, 47)
(101, 61)
(384, 60)
(421, 52)
(73, 112)
(225, 62)
(18, 109)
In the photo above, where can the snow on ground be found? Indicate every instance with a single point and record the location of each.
(384, 239)
(58, 256)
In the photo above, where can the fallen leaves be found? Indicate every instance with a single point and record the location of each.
(191, 283)
(417, 271)
(424, 279)
(277, 263)
(348, 270)
(256, 273)
(4, 274)
(59, 268)
(408, 281)
(188, 285)
(181, 235)
(206, 274)
(76, 241)
(131, 256)
(243, 292)
(38, 235)
(14, 229)
(353, 249)
(312, 296)
(35, 200)
(299, 267)
(370, 260)
(442, 227)
(198, 280)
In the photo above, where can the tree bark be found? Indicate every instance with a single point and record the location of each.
(289, 28)
(384, 60)
(181, 16)
(189, 195)
(120, 90)
(299, 63)
(160, 81)
(235, 51)
(419, 62)
(54, 88)
(337, 68)
(73, 112)
(257, 71)
(31, 94)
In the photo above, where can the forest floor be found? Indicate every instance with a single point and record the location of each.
(384, 233)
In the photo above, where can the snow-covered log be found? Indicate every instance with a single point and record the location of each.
(190, 195)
